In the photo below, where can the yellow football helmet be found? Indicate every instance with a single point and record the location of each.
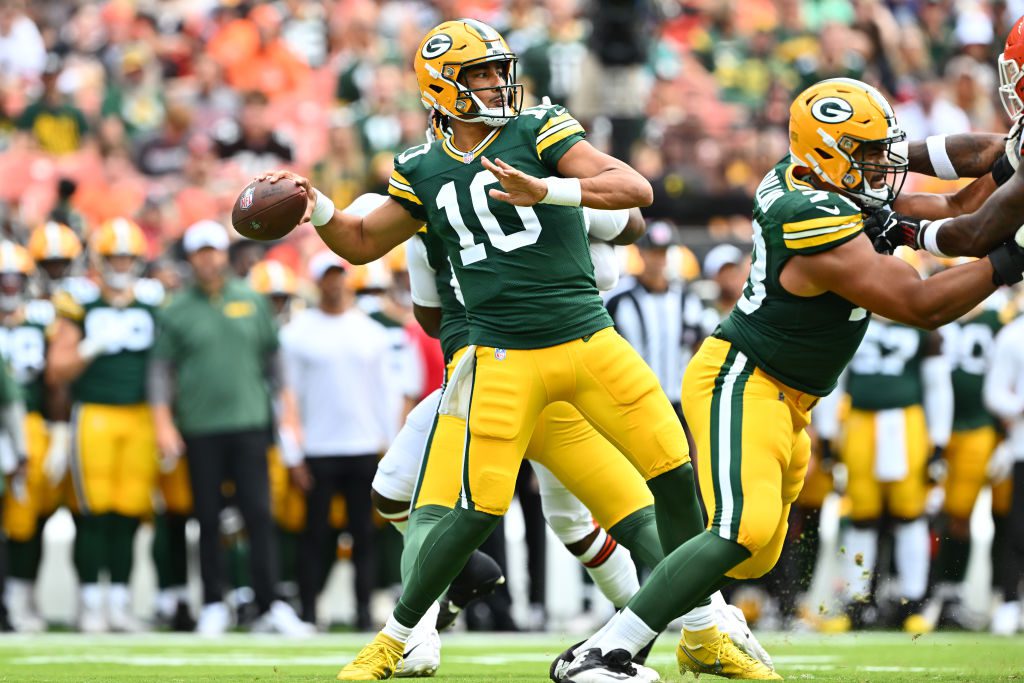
(446, 52)
(830, 126)
(53, 241)
(682, 264)
(118, 237)
(273, 278)
(370, 277)
(15, 268)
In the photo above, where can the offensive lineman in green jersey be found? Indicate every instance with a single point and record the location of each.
(101, 344)
(538, 330)
(894, 437)
(748, 392)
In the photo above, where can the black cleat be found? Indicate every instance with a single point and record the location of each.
(612, 667)
(478, 579)
(182, 620)
(562, 662)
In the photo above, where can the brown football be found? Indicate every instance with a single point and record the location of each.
(268, 211)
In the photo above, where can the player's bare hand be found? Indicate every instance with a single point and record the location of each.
(301, 181)
(520, 189)
(301, 477)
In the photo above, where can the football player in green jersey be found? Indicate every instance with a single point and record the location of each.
(894, 436)
(512, 225)
(24, 325)
(748, 392)
(101, 344)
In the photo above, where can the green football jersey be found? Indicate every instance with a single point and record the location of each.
(526, 274)
(886, 370)
(116, 377)
(804, 342)
(454, 326)
(968, 344)
(23, 347)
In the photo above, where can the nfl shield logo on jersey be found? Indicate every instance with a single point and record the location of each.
(499, 354)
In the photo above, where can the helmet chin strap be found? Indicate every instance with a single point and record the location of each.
(120, 282)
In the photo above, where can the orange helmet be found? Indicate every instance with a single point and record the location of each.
(450, 48)
(273, 278)
(53, 241)
(1011, 71)
(830, 122)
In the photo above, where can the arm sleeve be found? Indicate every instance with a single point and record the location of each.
(421, 275)
(159, 381)
(825, 415)
(605, 225)
(365, 204)
(936, 375)
(606, 266)
(1002, 377)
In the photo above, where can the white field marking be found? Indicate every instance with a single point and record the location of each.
(252, 660)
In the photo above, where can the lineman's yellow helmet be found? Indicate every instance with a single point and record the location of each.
(682, 263)
(446, 52)
(53, 241)
(273, 278)
(15, 259)
(830, 126)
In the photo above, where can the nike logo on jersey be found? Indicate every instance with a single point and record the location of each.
(834, 210)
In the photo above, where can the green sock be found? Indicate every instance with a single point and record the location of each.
(951, 563)
(169, 550)
(24, 556)
(685, 579)
(441, 557)
(421, 521)
(638, 533)
(238, 561)
(676, 507)
(90, 548)
(120, 531)
(288, 552)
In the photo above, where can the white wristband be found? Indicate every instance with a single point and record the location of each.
(89, 348)
(929, 237)
(563, 191)
(939, 157)
(323, 210)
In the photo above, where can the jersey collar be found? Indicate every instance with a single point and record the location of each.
(468, 157)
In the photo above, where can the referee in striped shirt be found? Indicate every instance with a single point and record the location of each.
(659, 316)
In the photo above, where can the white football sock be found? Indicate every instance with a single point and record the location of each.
(611, 567)
(699, 618)
(625, 631)
(913, 558)
(118, 596)
(92, 596)
(859, 561)
(396, 630)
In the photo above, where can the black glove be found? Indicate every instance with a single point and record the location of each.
(937, 465)
(1008, 263)
(887, 230)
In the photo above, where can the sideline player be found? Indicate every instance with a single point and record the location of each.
(749, 390)
(538, 330)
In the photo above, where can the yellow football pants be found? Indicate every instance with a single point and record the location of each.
(752, 450)
(967, 455)
(40, 499)
(588, 464)
(868, 496)
(114, 461)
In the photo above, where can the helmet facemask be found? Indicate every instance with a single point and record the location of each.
(12, 291)
(469, 107)
(118, 279)
(855, 181)
(1010, 75)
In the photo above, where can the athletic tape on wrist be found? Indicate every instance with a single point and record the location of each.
(929, 237)
(563, 191)
(323, 210)
(939, 157)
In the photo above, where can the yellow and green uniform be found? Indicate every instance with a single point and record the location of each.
(748, 391)
(968, 343)
(532, 309)
(58, 129)
(114, 456)
(885, 442)
(23, 348)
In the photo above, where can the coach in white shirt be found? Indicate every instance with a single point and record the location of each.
(1004, 397)
(336, 365)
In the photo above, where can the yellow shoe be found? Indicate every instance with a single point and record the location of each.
(711, 652)
(375, 662)
(917, 623)
(838, 624)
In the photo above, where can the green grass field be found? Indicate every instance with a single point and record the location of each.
(491, 658)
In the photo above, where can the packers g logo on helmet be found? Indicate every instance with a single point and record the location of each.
(834, 125)
(446, 52)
